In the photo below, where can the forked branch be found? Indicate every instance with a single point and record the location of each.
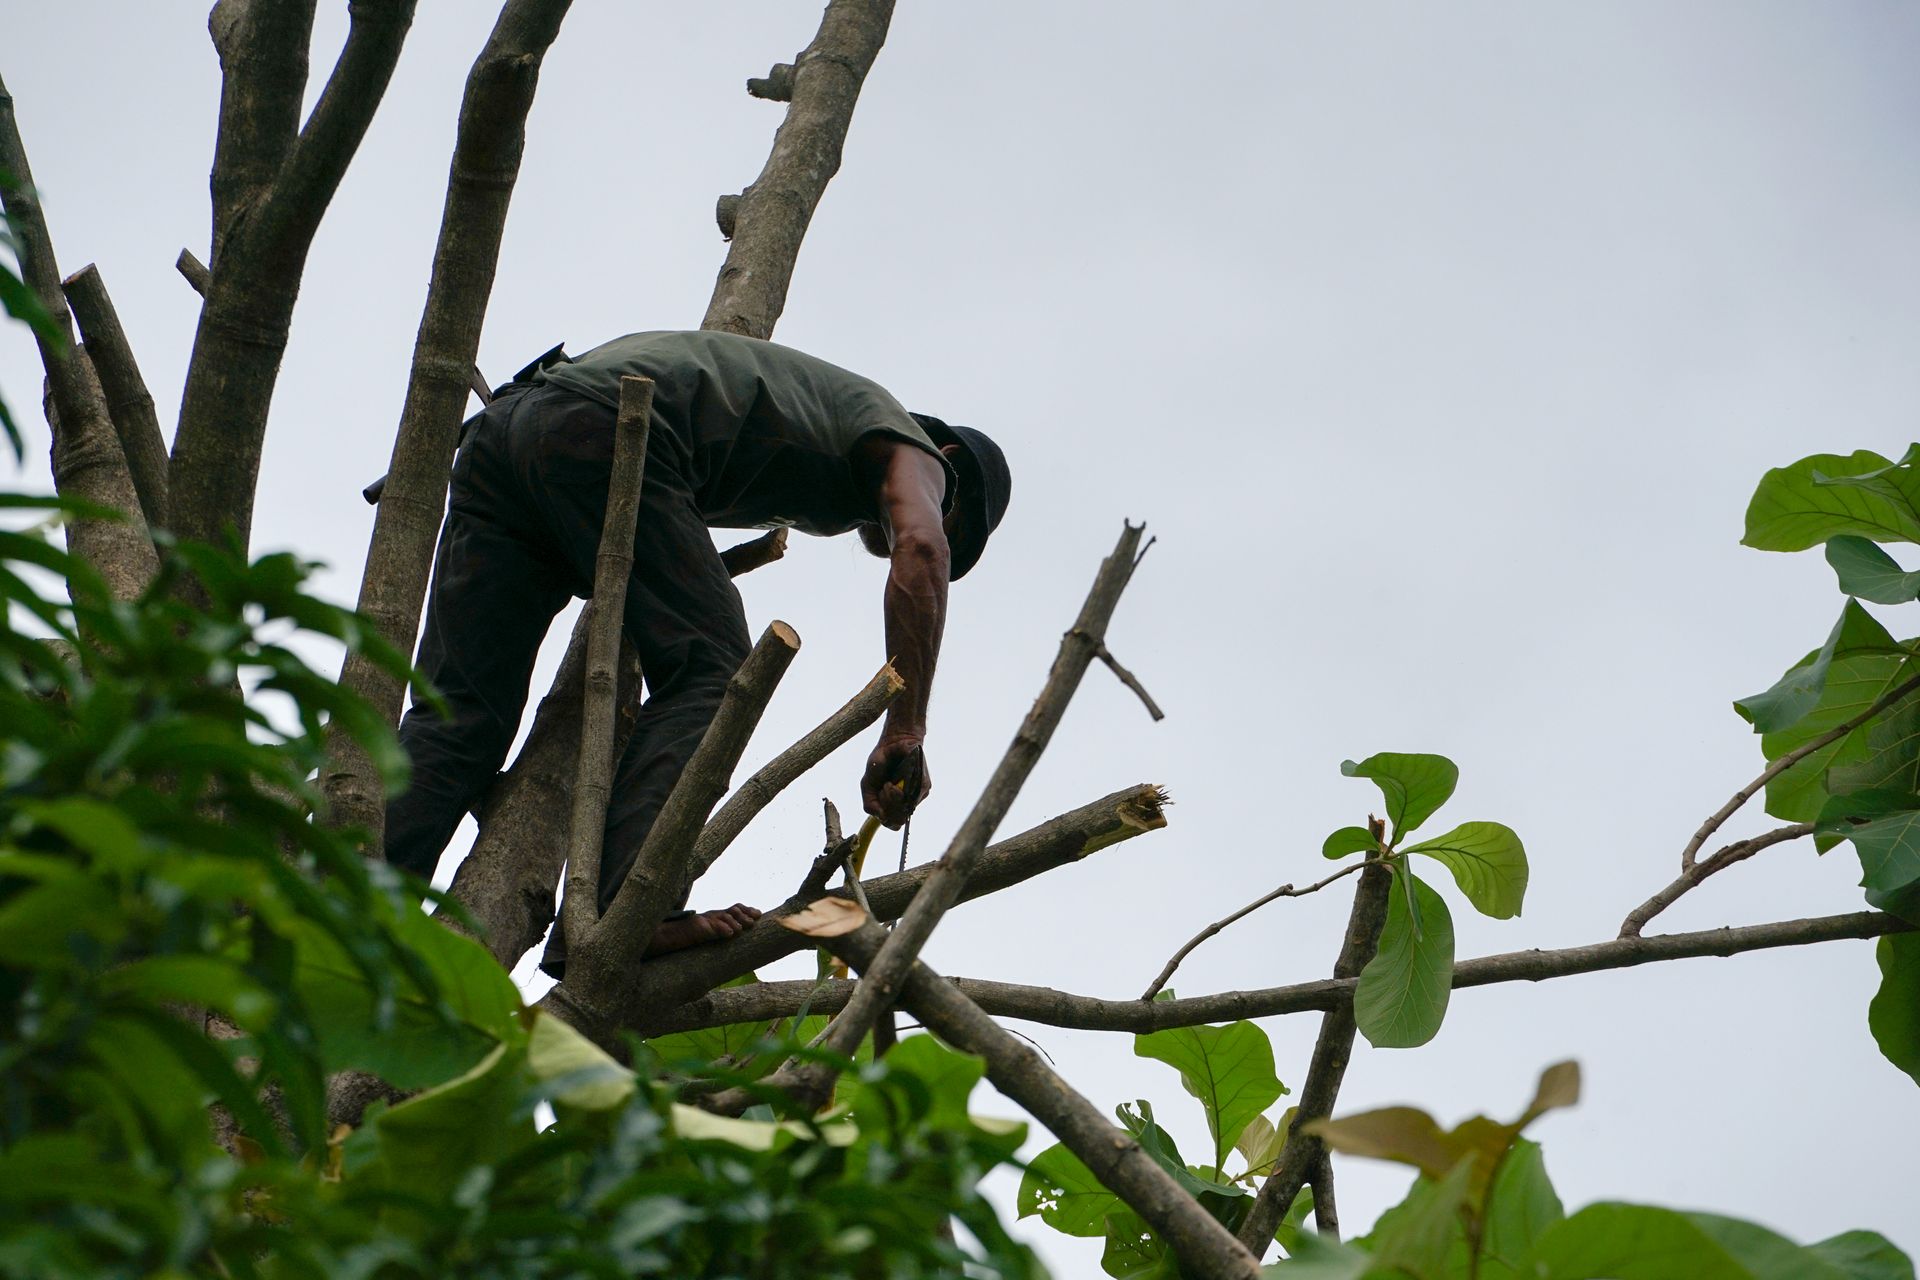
(1786, 761)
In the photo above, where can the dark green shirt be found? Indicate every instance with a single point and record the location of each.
(766, 434)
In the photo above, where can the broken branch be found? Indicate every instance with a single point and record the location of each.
(129, 403)
(753, 795)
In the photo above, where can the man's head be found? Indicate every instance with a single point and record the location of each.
(985, 484)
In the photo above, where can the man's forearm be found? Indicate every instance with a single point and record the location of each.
(916, 613)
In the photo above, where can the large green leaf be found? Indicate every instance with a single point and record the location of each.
(1520, 1208)
(1417, 1237)
(574, 1071)
(1638, 1242)
(1864, 570)
(1065, 1194)
(1414, 785)
(478, 1118)
(1229, 1069)
(1402, 995)
(1801, 506)
(1894, 1015)
(402, 1035)
(1488, 863)
(1795, 694)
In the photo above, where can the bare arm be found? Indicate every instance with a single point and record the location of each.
(912, 483)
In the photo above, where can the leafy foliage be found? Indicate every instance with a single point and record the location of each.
(161, 880)
(1403, 993)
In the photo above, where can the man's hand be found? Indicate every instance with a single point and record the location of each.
(896, 780)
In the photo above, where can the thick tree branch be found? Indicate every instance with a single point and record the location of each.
(1687, 880)
(260, 253)
(1284, 891)
(262, 46)
(507, 881)
(604, 959)
(943, 888)
(487, 152)
(129, 403)
(1203, 1246)
(652, 1001)
(1719, 817)
(613, 565)
(87, 461)
(773, 214)
(1328, 1066)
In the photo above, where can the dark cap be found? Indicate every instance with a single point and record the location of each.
(985, 485)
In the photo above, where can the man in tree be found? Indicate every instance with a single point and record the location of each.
(744, 434)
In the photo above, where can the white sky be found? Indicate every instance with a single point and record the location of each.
(1440, 345)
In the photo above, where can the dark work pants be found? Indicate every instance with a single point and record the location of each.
(528, 498)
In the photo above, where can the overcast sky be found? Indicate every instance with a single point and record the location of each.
(1441, 348)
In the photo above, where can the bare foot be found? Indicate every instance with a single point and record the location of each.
(698, 930)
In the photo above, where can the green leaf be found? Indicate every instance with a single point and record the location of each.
(1133, 1252)
(403, 1036)
(1864, 570)
(1520, 1210)
(1414, 785)
(949, 1075)
(1894, 1014)
(1798, 692)
(1611, 1241)
(1402, 995)
(1065, 1194)
(433, 1138)
(1229, 1069)
(1416, 1237)
(1349, 840)
(1864, 1255)
(1854, 684)
(1801, 506)
(576, 1072)
(1884, 827)
(1488, 863)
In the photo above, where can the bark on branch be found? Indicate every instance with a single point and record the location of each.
(773, 213)
(87, 459)
(612, 567)
(487, 151)
(129, 403)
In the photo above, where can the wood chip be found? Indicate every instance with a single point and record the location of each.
(828, 917)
